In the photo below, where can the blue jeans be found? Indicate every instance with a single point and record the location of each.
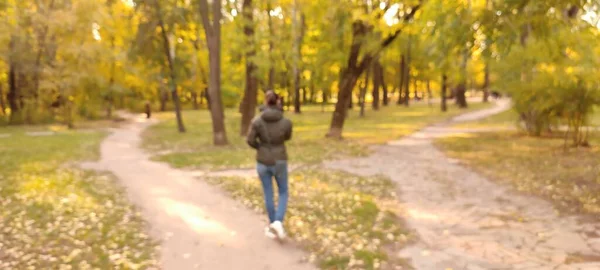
(280, 172)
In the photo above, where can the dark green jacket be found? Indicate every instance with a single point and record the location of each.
(268, 135)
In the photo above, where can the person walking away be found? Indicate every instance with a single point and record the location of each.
(147, 109)
(268, 134)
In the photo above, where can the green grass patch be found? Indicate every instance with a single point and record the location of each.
(539, 166)
(55, 216)
(344, 221)
(194, 148)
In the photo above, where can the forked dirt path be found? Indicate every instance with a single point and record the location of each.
(465, 221)
(199, 226)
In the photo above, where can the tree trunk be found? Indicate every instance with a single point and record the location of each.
(195, 102)
(298, 30)
(2, 104)
(363, 93)
(386, 99)
(213, 37)
(407, 73)
(341, 107)
(402, 78)
(461, 88)
(351, 101)
(13, 94)
(304, 95)
(324, 99)
(486, 83)
(164, 98)
(271, 83)
(429, 94)
(461, 98)
(312, 97)
(416, 89)
(169, 56)
(376, 84)
(444, 92)
(198, 74)
(249, 101)
(111, 82)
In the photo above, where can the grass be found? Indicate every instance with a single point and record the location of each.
(539, 166)
(308, 146)
(55, 216)
(345, 221)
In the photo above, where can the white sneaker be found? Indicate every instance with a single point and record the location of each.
(278, 228)
(269, 233)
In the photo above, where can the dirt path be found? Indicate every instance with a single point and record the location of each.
(199, 226)
(465, 221)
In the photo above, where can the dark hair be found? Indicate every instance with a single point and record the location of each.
(271, 98)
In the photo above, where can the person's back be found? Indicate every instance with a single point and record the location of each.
(268, 134)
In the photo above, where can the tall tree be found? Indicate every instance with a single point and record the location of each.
(356, 66)
(212, 31)
(298, 29)
(249, 101)
(169, 56)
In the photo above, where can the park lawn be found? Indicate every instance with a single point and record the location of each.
(539, 166)
(194, 149)
(56, 216)
(344, 221)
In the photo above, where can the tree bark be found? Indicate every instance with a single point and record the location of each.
(249, 101)
(167, 49)
(444, 92)
(213, 37)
